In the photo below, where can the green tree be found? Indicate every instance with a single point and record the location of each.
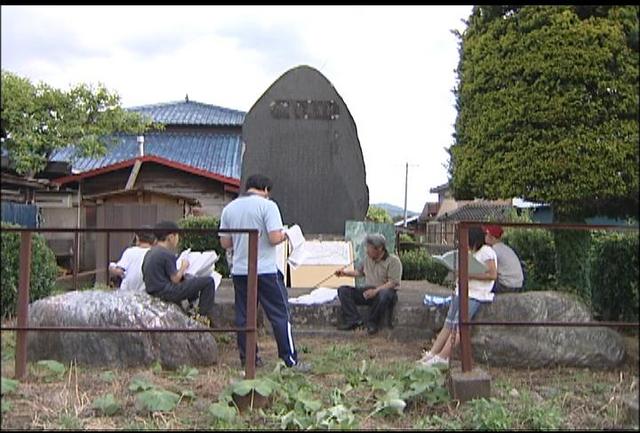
(378, 215)
(37, 119)
(547, 100)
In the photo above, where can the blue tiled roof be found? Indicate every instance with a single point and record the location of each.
(191, 113)
(216, 153)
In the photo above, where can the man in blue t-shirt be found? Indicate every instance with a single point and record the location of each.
(254, 210)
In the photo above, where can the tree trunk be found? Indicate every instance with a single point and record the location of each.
(572, 257)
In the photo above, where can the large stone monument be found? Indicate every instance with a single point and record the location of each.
(301, 134)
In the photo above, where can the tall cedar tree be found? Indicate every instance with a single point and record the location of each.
(547, 100)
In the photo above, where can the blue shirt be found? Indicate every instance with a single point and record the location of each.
(252, 212)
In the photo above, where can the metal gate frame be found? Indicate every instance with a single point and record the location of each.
(463, 284)
(25, 276)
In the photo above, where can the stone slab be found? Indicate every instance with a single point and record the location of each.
(470, 385)
(630, 403)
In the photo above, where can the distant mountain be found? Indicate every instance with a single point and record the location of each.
(395, 211)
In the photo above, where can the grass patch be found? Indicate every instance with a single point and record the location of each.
(367, 383)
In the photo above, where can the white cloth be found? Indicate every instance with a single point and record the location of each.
(481, 290)
(131, 263)
(321, 295)
(435, 301)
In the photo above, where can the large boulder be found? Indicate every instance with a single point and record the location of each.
(97, 308)
(535, 347)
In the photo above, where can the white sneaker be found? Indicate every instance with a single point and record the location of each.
(437, 360)
(426, 355)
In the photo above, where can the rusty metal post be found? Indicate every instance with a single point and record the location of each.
(23, 304)
(76, 259)
(252, 307)
(463, 292)
(108, 257)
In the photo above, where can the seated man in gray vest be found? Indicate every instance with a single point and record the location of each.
(510, 275)
(382, 272)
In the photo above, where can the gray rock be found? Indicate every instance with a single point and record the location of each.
(536, 347)
(630, 402)
(117, 309)
(300, 133)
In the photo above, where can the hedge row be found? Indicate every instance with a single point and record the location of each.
(44, 270)
(614, 276)
(613, 264)
(418, 265)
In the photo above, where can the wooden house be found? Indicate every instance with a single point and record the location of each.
(192, 166)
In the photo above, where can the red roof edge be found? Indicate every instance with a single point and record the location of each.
(232, 188)
(148, 158)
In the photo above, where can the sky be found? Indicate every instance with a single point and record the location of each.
(394, 67)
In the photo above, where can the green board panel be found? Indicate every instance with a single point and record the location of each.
(356, 231)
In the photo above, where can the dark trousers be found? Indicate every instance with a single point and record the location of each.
(350, 297)
(191, 289)
(272, 295)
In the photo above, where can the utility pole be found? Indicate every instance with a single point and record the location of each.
(406, 183)
(406, 187)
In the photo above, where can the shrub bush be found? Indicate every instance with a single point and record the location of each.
(614, 276)
(378, 215)
(418, 265)
(44, 270)
(407, 237)
(204, 242)
(536, 250)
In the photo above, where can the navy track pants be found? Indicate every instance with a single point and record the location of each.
(272, 295)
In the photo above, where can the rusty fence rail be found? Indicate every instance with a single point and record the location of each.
(25, 275)
(463, 284)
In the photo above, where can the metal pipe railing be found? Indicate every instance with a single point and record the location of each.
(463, 284)
(25, 276)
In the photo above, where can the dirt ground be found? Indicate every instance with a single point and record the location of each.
(586, 399)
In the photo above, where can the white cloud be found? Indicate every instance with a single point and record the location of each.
(393, 66)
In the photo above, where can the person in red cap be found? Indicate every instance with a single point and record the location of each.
(510, 275)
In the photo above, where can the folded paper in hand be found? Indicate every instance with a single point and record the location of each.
(450, 260)
(296, 240)
(201, 264)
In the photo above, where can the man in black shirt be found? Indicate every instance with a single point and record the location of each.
(165, 281)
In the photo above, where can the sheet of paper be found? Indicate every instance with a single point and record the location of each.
(217, 278)
(183, 256)
(281, 257)
(321, 253)
(297, 258)
(200, 263)
(450, 260)
(296, 238)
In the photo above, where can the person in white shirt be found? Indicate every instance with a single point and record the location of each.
(129, 267)
(480, 290)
